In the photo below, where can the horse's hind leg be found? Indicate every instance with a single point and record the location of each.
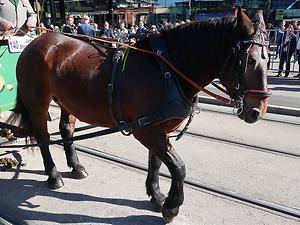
(39, 127)
(152, 182)
(67, 127)
(157, 142)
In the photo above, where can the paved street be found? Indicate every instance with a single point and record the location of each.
(286, 91)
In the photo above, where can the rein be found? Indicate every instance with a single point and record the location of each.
(167, 62)
(257, 93)
(139, 123)
(254, 40)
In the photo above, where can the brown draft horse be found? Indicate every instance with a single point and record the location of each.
(77, 74)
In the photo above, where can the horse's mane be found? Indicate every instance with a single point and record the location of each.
(210, 32)
(207, 41)
(227, 23)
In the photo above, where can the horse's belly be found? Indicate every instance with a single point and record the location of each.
(89, 110)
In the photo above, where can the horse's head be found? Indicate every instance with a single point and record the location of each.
(246, 81)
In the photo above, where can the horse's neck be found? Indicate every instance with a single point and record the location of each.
(200, 58)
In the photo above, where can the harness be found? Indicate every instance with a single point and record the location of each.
(175, 103)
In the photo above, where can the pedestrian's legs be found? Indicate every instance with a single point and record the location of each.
(281, 62)
(288, 64)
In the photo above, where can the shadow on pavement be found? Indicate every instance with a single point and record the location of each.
(15, 203)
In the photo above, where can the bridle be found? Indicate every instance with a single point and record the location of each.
(240, 53)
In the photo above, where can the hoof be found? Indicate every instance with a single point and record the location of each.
(158, 202)
(169, 214)
(55, 182)
(79, 173)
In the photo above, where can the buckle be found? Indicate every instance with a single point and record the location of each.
(167, 74)
(126, 132)
(144, 121)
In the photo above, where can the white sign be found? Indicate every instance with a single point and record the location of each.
(18, 43)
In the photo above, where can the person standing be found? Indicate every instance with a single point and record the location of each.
(86, 28)
(122, 33)
(287, 50)
(69, 27)
(142, 29)
(106, 31)
(16, 15)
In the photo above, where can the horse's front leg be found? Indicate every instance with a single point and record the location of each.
(175, 197)
(67, 127)
(152, 182)
(157, 142)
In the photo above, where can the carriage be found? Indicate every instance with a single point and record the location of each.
(11, 48)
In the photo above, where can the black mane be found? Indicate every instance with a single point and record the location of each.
(209, 31)
(209, 24)
(208, 42)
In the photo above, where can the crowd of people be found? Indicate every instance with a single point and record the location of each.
(287, 40)
(120, 32)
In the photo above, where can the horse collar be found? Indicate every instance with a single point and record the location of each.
(175, 103)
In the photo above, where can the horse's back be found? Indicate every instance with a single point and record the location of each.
(78, 74)
(73, 71)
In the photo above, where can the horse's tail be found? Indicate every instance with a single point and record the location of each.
(19, 120)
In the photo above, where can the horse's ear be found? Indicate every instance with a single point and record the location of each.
(259, 20)
(244, 24)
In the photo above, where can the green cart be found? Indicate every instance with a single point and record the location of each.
(10, 51)
(8, 81)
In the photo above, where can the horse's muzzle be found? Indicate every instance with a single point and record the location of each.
(251, 115)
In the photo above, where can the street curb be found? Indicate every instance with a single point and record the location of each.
(282, 110)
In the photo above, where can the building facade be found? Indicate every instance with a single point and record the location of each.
(114, 11)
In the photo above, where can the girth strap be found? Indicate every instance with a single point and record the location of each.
(112, 93)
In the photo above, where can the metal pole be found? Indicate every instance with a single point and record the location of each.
(53, 12)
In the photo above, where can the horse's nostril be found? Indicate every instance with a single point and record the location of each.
(255, 114)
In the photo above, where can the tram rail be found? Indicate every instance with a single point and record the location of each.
(247, 146)
(217, 139)
(283, 210)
